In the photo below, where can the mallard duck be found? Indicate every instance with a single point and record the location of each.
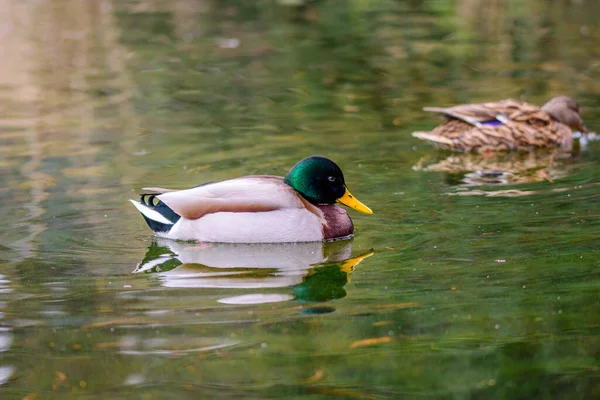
(299, 207)
(506, 125)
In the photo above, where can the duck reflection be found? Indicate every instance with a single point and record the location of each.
(316, 272)
(468, 169)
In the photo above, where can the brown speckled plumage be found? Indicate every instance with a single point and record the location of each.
(517, 126)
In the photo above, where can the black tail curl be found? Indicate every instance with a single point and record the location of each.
(154, 203)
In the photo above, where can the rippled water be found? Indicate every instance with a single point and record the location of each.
(474, 278)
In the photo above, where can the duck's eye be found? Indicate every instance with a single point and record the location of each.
(331, 178)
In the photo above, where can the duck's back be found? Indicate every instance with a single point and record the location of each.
(247, 194)
(504, 125)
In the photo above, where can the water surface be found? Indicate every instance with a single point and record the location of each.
(476, 281)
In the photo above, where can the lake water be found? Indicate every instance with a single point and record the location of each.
(475, 278)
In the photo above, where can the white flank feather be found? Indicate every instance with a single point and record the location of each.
(150, 213)
(433, 138)
(287, 225)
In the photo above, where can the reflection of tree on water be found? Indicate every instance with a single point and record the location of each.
(315, 271)
(334, 60)
(65, 66)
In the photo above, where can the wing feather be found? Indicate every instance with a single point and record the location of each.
(248, 194)
(475, 114)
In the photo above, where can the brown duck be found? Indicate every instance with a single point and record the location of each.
(506, 125)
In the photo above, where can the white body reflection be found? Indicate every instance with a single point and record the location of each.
(6, 339)
(244, 266)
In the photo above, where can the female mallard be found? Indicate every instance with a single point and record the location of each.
(257, 209)
(506, 125)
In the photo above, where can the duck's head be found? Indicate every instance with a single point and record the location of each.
(565, 110)
(320, 181)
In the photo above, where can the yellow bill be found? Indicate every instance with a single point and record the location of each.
(348, 200)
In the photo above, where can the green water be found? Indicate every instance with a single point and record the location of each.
(478, 286)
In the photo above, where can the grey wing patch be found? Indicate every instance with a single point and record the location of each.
(247, 194)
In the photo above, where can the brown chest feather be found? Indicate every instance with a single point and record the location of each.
(337, 222)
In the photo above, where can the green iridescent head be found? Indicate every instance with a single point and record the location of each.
(320, 181)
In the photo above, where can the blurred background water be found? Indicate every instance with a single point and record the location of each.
(463, 284)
